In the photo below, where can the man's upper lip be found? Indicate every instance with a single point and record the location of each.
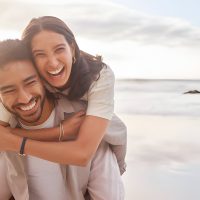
(27, 106)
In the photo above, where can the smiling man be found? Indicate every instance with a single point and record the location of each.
(29, 177)
(28, 107)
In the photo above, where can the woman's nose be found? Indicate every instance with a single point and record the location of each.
(53, 61)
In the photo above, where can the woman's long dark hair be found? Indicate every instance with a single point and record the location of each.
(85, 69)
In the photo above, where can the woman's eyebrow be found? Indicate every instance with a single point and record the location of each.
(36, 50)
(59, 45)
(54, 47)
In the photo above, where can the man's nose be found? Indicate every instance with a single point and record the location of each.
(24, 96)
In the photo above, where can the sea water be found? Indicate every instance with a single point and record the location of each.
(157, 97)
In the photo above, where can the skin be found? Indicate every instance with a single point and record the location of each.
(53, 54)
(23, 92)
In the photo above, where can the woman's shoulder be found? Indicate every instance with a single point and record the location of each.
(106, 77)
(100, 96)
(106, 72)
(104, 81)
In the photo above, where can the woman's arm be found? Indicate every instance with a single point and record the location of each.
(77, 152)
(46, 134)
(2, 123)
(72, 125)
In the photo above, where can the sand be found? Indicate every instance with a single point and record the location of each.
(162, 154)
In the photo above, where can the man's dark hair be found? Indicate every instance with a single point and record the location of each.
(13, 50)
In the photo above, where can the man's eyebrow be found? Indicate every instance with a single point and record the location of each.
(30, 78)
(7, 87)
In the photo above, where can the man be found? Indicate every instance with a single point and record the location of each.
(29, 177)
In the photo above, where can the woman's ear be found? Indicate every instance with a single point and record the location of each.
(73, 51)
(72, 46)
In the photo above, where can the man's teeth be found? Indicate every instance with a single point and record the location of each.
(57, 71)
(29, 107)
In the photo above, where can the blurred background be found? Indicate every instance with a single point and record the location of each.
(153, 47)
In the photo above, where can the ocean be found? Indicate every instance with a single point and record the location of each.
(157, 97)
(163, 124)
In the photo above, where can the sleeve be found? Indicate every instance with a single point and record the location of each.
(105, 181)
(5, 192)
(116, 136)
(120, 153)
(5, 116)
(101, 95)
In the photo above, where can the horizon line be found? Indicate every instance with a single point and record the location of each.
(155, 79)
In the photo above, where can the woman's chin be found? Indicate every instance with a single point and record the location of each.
(59, 81)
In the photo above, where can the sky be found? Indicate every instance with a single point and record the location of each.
(138, 38)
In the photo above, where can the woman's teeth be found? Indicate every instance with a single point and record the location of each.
(29, 107)
(56, 72)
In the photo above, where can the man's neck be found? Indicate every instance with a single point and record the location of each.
(46, 111)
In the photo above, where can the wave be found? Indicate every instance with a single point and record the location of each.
(157, 97)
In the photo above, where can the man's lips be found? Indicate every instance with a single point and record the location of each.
(29, 106)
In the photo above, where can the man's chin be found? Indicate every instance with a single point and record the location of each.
(30, 120)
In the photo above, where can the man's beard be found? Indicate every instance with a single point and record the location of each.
(18, 116)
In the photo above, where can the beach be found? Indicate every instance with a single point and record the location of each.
(163, 151)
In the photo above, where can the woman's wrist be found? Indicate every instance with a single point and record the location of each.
(14, 143)
(55, 131)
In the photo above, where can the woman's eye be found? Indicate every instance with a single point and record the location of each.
(59, 50)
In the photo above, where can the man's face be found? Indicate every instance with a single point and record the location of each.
(21, 91)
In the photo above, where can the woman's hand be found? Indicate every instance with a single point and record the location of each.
(4, 139)
(7, 140)
(72, 124)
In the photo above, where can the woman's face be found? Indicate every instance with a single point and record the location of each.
(53, 57)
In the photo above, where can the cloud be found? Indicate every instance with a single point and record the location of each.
(105, 20)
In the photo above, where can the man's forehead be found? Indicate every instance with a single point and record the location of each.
(17, 71)
(18, 64)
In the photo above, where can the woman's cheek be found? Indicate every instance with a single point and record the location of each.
(40, 65)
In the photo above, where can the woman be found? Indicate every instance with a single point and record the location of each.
(69, 72)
